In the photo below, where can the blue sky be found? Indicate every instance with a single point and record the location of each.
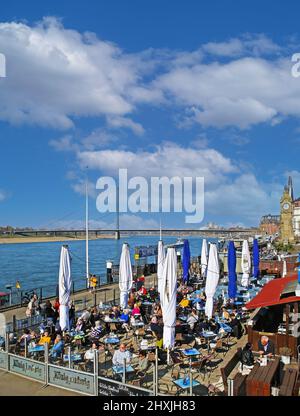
(160, 88)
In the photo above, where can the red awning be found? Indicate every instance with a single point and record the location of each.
(270, 294)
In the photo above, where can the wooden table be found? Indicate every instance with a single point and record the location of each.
(261, 378)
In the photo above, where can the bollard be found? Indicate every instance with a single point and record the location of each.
(109, 272)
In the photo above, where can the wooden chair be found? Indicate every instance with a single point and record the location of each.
(178, 363)
(217, 347)
(201, 365)
(229, 367)
(201, 341)
(179, 338)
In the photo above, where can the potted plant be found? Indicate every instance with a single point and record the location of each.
(285, 353)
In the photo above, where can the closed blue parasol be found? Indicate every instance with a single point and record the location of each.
(186, 259)
(255, 259)
(232, 278)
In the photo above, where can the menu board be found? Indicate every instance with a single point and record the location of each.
(113, 388)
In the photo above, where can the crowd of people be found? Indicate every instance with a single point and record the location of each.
(140, 324)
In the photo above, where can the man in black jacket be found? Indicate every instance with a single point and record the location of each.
(247, 358)
(266, 347)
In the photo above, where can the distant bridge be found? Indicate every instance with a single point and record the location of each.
(218, 233)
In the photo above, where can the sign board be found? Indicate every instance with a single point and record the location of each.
(71, 379)
(28, 368)
(146, 251)
(113, 388)
(3, 360)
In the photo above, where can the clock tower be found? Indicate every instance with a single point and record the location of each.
(286, 218)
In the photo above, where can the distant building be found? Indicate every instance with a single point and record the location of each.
(269, 224)
(296, 217)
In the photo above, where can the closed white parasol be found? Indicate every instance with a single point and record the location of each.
(125, 275)
(168, 296)
(212, 279)
(246, 264)
(65, 284)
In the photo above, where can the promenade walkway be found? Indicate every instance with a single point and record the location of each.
(84, 299)
(14, 385)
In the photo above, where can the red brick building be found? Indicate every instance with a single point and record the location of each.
(270, 224)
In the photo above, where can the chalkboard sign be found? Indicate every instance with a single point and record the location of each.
(113, 388)
(71, 379)
(26, 367)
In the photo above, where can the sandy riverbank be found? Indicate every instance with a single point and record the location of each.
(21, 240)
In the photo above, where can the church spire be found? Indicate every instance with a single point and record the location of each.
(290, 188)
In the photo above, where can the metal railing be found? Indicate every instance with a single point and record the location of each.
(67, 378)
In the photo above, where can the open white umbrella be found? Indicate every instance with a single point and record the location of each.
(64, 285)
(125, 275)
(246, 264)
(168, 297)
(204, 257)
(212, 279)
(160, 264)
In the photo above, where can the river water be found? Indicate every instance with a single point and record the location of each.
(37, 264)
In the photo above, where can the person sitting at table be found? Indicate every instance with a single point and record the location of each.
(25, 337)
(213, 325)
(142, 366)
(115, 312)
(89, 357)
(225, 314)
(72, 314)
(152, 293)
(247, 357)
(136, 310)
(192, 319)
(236, 326)
(85, 316)
(96, 332)
(131, 300)
(121, 355)
(142, 291)
(201, 326)
(157, 310)
(58, 347)
(125, 317)
(45, 339)
(155, 326)
(266, 347)
(80, 326)
(184, 303)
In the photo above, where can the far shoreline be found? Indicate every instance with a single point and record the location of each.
(24, 240)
